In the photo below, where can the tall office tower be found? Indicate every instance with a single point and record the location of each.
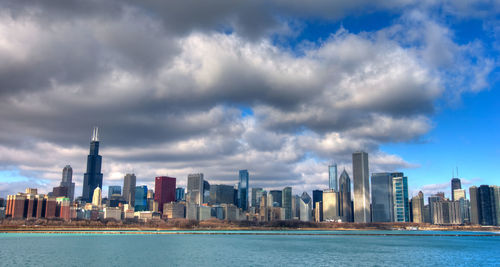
(418, 207)
(400, 199)
(151, 193)
(460, 197)
(487, 206)
(331, 205)
(287, 202)
(475, 210)
(345, 197)
(432, 199)
(114, 190)
(361, 187)
(296, 207)
(446, 212)
(221, 194)
(179, 194)
(165, 191)
(256, 195)
(129, 182)
(317, 197)
(457, 194)
(277, 197)
(141, 198)
(382, 197)
(318, 212)
(332, 177)
(67, 181)
(263, 208)
(496, 198)
(97, 197)
(206, 191)
(305, 207)
(195, 189)
(243, 190)
(93, 176)
(455, 184)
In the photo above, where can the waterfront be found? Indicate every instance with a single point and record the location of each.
(251, 248)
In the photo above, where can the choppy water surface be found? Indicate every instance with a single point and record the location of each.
(264, 249)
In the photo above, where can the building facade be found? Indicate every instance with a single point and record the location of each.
(332, 177)
(92, 178)
(164, 191)
(361, 187)
(243, 190)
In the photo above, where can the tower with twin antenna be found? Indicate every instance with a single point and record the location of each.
(93, 176)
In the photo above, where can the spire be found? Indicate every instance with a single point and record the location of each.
(95, 134)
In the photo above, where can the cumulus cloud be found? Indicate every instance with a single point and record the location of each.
(177, 89)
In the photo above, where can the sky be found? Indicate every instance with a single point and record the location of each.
(281, 88)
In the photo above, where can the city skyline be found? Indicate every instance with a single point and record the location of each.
(279, 89)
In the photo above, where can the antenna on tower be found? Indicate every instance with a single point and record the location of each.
(457, 172)
(95, 134)
(452, 173)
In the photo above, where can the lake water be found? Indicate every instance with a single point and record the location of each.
(265, 249)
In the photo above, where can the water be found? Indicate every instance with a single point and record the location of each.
(206, 249)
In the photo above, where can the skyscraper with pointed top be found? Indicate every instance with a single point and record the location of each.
(93, 176)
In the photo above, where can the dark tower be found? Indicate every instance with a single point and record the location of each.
(93, 176)
(455, 184)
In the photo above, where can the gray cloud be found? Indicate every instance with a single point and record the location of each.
(166, 83)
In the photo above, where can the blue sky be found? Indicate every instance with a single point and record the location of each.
(282, 90)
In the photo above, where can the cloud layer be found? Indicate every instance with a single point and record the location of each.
(177, 90)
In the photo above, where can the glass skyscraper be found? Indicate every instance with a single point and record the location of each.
(400, 199)
(287, 202)
(129, 188)
(114, 190)
(141, 198)
(361, 187)
(93, 176)
(243, 190)
(382, 196)
(179, 194)
(455, 184)
(332, 177)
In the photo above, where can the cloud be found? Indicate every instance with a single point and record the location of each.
(168, 83)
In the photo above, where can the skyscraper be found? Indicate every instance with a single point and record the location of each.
(243, 190)
(486, 205)
(496, 197)
(345, 197)
(129, 182)
(418, 207)
(475, 211)
(114, 190)
(93, 176)
(97, 197)
(287, 202)
(317, 197)
(305, 207)
(179, 194)
(164, 191)
(67, 182)
(361, 187)
(382, 206)
(256, 196)
(400, 199)
(332, 177)
(141, 198)
(221, 194)
(195, 189)
(331, 205)
(277, 197)
(455, 184)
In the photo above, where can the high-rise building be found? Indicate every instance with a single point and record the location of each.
(432, 199)
(382, 196)
(296, 207)
(455, 184)
(496, 198)
(195, 188)
(67, 181)
(263, 209)
(179, 194)
(475, 210)
(287, 202)
(418, 208)
(114, 190)
(317, 197)
(331, 205)
(92, 178)
(361, 187)
(141, 198)
(206, 191)
(318, 211)
(277, 198)
(129, 182)
(345, 197)
(486, 205)
(400, 199)
(446, 212)
(221, 194)
(256, 196)
(164, 191)
(332, 177)
(243, 190)
(305, 207)
(97, 197)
